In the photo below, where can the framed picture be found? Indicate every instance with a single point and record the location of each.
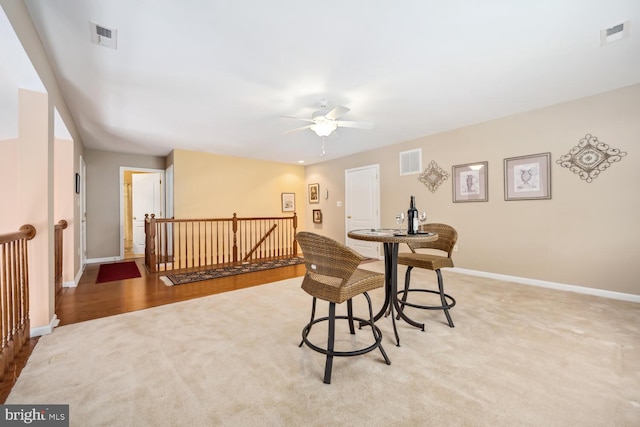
(527, 177)
(470, 182)
(288, 202)
(314, 193)
(317, 216)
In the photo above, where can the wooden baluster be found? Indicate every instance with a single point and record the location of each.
(235, 241)
(14, 295)
(4, 283)
(295, 241)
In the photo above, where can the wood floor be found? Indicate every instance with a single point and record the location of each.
(90, 301)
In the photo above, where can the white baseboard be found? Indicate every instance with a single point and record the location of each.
(45, 330)
(107, 259)
(76, 280)
(552, 285)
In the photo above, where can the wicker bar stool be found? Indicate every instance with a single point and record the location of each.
(448, 236)
(333, 275)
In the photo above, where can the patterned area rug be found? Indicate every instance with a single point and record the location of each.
(196, 276)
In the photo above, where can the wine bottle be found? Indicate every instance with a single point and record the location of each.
(412, 217)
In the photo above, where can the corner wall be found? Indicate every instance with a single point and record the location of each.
(586, 235)
(103, 198)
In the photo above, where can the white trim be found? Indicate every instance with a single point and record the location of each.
(551, 285)
(83, 212)
(75, 281)
(123, 169)
(107, 259)
(45, 330)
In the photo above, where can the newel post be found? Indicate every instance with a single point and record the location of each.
(150, 242)
(235, 231)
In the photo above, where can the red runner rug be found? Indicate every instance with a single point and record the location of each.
(117, 271)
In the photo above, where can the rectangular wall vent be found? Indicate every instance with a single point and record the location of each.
(104, 32)
(615, 33)
(411, 162)
(104, 36)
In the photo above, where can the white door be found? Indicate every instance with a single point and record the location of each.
(362, 206)
(83, 213)
(146, 199)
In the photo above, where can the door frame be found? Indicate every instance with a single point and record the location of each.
(83, 214)
(124, 169)
(376, 168)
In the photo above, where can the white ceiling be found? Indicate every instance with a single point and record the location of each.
(217, 76)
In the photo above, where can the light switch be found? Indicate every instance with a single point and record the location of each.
(339, 203)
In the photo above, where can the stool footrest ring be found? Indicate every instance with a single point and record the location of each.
(376, 344)
(450, 300)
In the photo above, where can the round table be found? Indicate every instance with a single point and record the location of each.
(391, 239)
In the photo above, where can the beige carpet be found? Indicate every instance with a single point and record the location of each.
(518, 356)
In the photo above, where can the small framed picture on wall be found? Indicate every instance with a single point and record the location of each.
(288, 202)
(314, 193)
(527, 177)
(470, 182)
(317, 216)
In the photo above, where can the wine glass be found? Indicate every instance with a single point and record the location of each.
(422, 217)
(399, 221)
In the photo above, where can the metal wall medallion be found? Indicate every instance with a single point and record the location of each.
(433, 176)
(590, 157)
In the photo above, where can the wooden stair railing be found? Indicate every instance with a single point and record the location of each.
(182, 244)
(257, 245)
(14, 295)
(58, 229)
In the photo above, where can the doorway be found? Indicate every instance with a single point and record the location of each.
(140, 193)
(362, 206)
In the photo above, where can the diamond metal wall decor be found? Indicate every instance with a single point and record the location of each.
(590, 157)
(433, 176)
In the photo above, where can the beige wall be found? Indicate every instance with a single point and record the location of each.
(586, 235)
(214, 186)
(35, 198)
(9, 221)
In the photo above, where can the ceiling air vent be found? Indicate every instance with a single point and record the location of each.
(104, 36)
(615, 33)
(411, 162)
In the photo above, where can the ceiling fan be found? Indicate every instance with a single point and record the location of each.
(324, 121)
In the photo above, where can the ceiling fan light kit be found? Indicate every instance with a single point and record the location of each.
(324, 121)
(324, 128)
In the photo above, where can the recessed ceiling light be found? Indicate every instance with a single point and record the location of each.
(300, 161)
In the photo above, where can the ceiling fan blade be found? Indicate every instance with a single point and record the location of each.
(356, 125)
(298, 118)
(297, 129)
(337, 112)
